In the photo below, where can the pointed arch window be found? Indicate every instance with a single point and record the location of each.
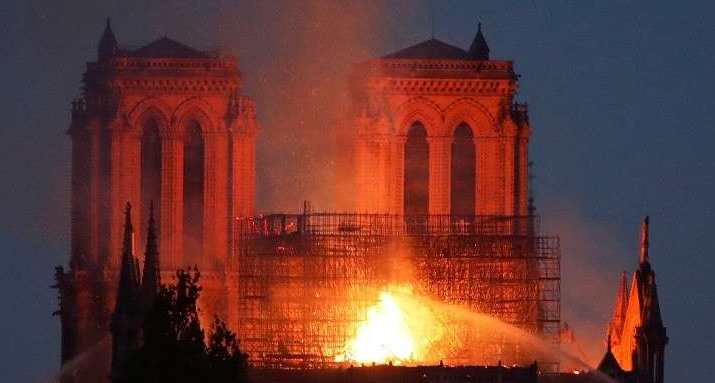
(416, 196)
(463, 163)
(193, 193)
(150, 183)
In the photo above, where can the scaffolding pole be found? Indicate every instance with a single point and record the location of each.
(307, 280)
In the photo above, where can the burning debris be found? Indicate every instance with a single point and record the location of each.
(398, 330)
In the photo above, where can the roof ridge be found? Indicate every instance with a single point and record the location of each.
(430, 49)
(167, 47)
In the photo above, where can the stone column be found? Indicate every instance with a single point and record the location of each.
(500, 184)
(124, 177)
(510, 162)
(243, 168)
(81, 205)
(171, 227)
(490, 168)
(117, 198)
(215, 199)
(365, 168)
(131, 179)
(522, 193)
(249, 172)
(439, 174)
(382, 183)
(236, 186)
(398, 178)
(481, 145)
(248, 175)
(94, 201)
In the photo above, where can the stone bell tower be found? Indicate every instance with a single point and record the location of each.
(438, 132)
(162, 123)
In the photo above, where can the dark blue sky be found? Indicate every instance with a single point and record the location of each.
(621, 104)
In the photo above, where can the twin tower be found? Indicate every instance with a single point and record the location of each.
(436, 132)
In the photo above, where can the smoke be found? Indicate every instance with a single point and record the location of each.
(591, 260)
(296, 57)
(304, 52)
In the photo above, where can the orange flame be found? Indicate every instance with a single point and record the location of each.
(397, 330)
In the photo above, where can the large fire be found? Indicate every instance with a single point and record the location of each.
(398, 329)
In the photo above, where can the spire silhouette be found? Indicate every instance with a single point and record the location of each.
(126, 319)
(619, 311)
(479, 50)
(151, 275)
(651, 308)
(128, 290)
(108, 46)
(609, 364)
(651, 336)
(643, 260)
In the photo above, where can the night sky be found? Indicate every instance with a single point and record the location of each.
(622, 112)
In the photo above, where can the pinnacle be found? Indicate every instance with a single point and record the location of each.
(645, 228)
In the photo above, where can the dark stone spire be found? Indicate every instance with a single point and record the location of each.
(651, 309)
(651, 336)
(151, 276)
(479, 50)
(126, 319)
(107, 43)
(643, 260)
(609, 364)
(128, 278)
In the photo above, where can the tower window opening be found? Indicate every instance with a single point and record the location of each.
(193, 194)
(463, 163)
(416, 171)
(150, 173)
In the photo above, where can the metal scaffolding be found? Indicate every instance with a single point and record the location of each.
(307, 281)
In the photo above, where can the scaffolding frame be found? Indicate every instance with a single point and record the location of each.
(307, 280)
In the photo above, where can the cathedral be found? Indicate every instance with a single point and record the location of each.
(162, 124)
(438, 133)
(636, 334)
(163, 178)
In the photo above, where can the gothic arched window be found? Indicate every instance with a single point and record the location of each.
(193, 193)
(150, 182)
(463, 188)
(416, 171)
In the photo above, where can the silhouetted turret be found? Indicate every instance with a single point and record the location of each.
(126, 319)
(643, 260)
(609, 365)
(479, 50)
(108, 46)
(151, 276)
(651, 338)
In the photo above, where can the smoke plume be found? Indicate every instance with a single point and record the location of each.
(589, 277)
(306, 51)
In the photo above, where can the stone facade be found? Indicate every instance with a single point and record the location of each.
(437, 132)
(166, 124)
(440, 88)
